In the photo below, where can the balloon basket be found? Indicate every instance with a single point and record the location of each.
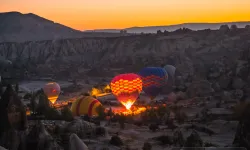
(134, 110)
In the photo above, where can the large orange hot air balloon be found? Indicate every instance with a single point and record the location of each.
(52, 90)
(126, 88)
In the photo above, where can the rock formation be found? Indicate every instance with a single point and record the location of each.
(191, 53)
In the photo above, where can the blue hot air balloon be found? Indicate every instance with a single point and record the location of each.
(153, 79)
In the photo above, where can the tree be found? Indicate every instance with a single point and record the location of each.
(17, 88)
(162, 111)
(52, 114)
(33, 104)
(27, 96)
(4, 123)
(147, 146)
(123, 31)
(224, 28)
(101, 112)
(121, 120)
(233, 27)
(166, 32)
(12, 111)
(180, 116)
(43, 104)
(153, 127)
(159, 32)
(1, 88)
(67, 114)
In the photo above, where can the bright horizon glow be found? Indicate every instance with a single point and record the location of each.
(118, 14)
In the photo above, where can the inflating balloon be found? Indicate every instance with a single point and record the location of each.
(153, 79)
(126, 88)
(171, 71)
(171, 77)
(85, 106)
(52, 90)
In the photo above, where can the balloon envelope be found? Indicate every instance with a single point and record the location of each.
(85, 106)
(153, 79)
(171, 76)
(126, 88)
(170, 70)
(52, 90)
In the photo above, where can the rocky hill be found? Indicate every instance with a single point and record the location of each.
(192, 52)
(17, 27)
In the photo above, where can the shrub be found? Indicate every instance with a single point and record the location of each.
(101, 112)
(218, 105)
(147, 146)
(100, 131)
(27, 96)
(67, 114)
(164, 140)
(239, 109)
(180, 116)
(153, 127)
(162, 111)
(116, 140)
(52, 114)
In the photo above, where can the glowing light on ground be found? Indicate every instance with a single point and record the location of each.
(95, 92)
(106, 88)
(128, 104)
(132, 111)
(100, 92)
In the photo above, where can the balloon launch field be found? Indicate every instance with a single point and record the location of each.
(29, 86)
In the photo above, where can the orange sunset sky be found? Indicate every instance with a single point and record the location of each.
(103, 14)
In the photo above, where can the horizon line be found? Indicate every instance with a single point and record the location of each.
(243, 21)
(82, 30)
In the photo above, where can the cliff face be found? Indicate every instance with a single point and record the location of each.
(189, 52)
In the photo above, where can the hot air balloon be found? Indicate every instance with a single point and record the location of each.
(52, 90)
(153, 79)
(171, 71)
(85, 106)
(171, 77)
(126, 88)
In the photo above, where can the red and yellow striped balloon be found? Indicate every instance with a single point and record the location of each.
(126, 88)
(85, 106)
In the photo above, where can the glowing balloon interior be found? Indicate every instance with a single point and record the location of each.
(126, 88)
(52, 90)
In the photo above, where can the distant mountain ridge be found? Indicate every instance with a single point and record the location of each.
(15, 26)
(18, 27)
(192, 26)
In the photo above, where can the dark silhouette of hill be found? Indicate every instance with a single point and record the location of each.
(15, 26)
(18, 27)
